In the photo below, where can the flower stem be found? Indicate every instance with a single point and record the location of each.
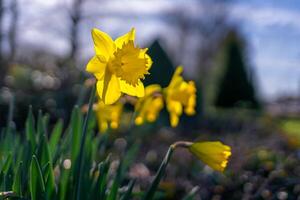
(83, 138)
(183, 144)
(161, 171)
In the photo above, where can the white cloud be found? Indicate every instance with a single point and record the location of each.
(266, 16)
(278, 63)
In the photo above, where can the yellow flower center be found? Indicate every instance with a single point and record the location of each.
(129, 63)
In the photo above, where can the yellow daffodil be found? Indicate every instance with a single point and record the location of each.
(150, 105)
(118, 66)
(108, 115)
(214, 154)
(180, 95)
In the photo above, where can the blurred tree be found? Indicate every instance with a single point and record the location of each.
(3, 67)
(162, 68)
(13, 29)
(236, 86)
(76, 17)
(206, 30)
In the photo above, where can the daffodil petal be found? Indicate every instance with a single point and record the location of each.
(125, 38)
(149, 61)
(103, 43)
(150, 89)
(174, 120)
(95, 66)
(133, 90)
(175, 107)
(109, 88)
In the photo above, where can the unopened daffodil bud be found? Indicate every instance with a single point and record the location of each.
(214, 154)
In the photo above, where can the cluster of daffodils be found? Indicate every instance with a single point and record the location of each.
(119, 67)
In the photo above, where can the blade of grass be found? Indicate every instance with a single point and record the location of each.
(55, 136)
(30, 131)
(37, 185)
(83, 138)
(17, 184)
(103, 171)
(46, 154)
(76, 128)
(7, 164)
(49, 179)
(117, 181)
(10, 114)
(191, 194)
(127, 195)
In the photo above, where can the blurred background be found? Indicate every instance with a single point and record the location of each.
(243, 55)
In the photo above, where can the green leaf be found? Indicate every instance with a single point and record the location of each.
(45, 151)
(160, 173)
(117, 181)
(79, 162)
(55, 136)
(30, 130)
(17, 184)
(50, 181)
(41, 126)
(64, 183)
(46, 119)
(191, 194)
(37, 185)
(100, 187)
(127, 195)
(7, 164)
(76, 128)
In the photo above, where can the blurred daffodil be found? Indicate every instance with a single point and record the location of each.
(150, 105)
(214, 154)
(108, 115)
(180, 95)
(118, 66)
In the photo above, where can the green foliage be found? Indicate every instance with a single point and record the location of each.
(42, 168)
(236, 88)
(47, 167)
(67, 164)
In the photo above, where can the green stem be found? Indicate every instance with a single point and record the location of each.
(161, 171)
(10, 114)
(82, 143)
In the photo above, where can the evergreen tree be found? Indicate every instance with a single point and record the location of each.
(236, 87)
(162, 68)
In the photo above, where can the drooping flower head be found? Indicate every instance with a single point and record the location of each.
(180, 95)
(214, 154)
(108, 115)
(150, 105)
(119, 66)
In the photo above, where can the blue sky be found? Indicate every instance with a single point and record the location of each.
(272, 29)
